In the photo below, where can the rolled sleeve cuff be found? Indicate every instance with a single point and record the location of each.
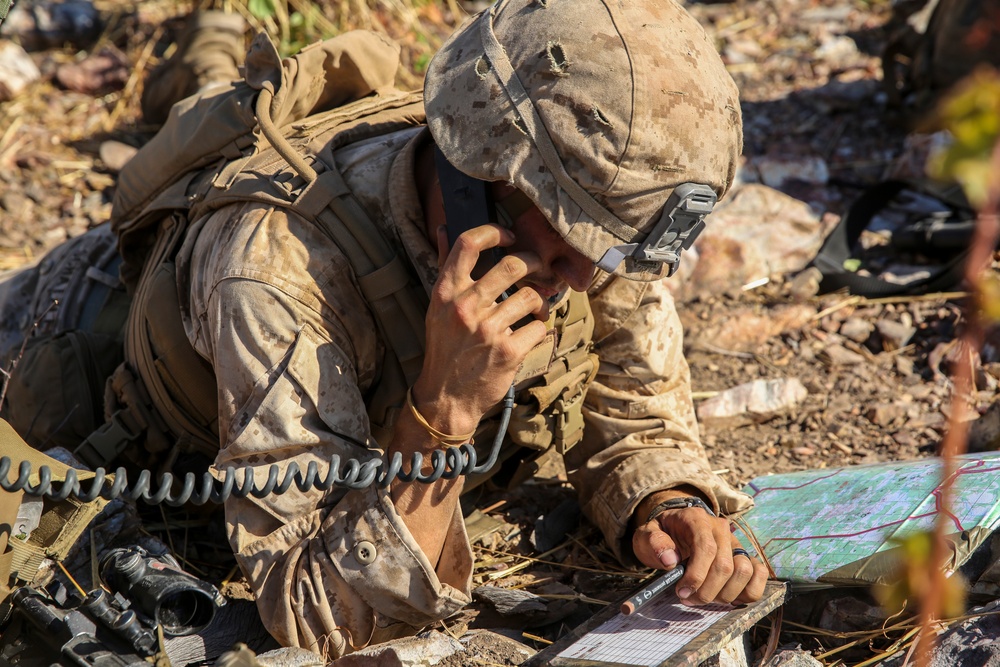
(645, 473)
(379, 558)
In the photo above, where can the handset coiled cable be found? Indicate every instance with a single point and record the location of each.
(447, 463)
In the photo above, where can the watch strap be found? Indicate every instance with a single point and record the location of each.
(676, 504)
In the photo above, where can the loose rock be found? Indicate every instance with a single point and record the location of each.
(759, 400)
(849, 614)
(552, 528)
(856, 329)
(746, 329)
(487, 647)
(776, 172)
(754, 233)
(838, 355)
(511, 602)
(895, 335)
(972, 642)
(104, 72)
(17, 70)
(424, 651)
(886, 413)
(984, 433)
(792, 658)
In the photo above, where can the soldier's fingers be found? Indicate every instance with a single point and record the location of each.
(755, 587)
(712, 538)
(655, 548)
(463, 255)
(520, 304)
(501, 277)
(527, 336)
(742, 573)
(699, 537)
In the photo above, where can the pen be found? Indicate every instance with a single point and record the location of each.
(649, 592)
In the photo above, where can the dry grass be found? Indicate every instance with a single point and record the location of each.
(419, 26)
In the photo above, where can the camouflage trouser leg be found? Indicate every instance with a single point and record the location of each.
(209, 52)
(54, 292)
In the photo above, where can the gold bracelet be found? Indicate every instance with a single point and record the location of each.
(443, 438)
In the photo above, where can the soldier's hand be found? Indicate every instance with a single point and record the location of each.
(713, 573)
(473, 349)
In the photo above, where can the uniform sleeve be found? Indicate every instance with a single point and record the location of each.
(276, 311)
(641, 435)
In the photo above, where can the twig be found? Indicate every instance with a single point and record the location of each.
(324, 24)
(936, 296)
(577, 596)
(984, 240)
(852, 301)
(529, 559)
(585, 547)
(534, 582)
(902, 625)
(702, 346)
(20, 354)
(9, 132)
(891, 651)
(229, 577)
(69, 576)
(95, 575)
(451, 633)
(495, 506)
(133, 80)
(166, 529)
(535, 637)
(771, 648)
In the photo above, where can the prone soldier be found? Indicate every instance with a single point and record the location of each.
(322, 268)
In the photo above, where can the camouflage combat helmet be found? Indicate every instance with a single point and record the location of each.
(597, 110)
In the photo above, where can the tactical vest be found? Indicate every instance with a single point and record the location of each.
(164, 395)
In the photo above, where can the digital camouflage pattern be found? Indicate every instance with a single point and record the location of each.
(633, 94)
(275, 309)
(271, 303)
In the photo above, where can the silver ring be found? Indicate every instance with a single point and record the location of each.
(741, 552)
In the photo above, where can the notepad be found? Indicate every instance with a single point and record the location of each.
(661, 633)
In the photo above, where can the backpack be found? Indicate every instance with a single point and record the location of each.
(943, 234)
(932, 44)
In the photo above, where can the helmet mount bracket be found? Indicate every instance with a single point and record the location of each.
(680, 223)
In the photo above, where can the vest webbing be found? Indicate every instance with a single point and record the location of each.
(59, 527)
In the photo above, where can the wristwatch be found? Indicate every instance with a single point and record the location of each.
(676, 504)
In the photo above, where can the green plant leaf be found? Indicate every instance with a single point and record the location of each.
(971, 114)
(262, 9)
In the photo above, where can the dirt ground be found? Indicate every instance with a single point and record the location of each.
(808, 72)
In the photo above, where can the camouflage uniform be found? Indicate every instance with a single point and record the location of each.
(270, 296)
(272, 304)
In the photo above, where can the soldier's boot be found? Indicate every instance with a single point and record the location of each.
(209, 52)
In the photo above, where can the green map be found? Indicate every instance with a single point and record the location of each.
(842, 525)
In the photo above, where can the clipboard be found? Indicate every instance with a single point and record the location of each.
(661, 633)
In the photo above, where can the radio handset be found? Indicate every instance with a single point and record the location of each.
(468, 203)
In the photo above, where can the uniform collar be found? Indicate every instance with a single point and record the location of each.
(408, 215)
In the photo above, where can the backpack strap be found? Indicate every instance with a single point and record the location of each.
(839, 244)
(382, 276)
